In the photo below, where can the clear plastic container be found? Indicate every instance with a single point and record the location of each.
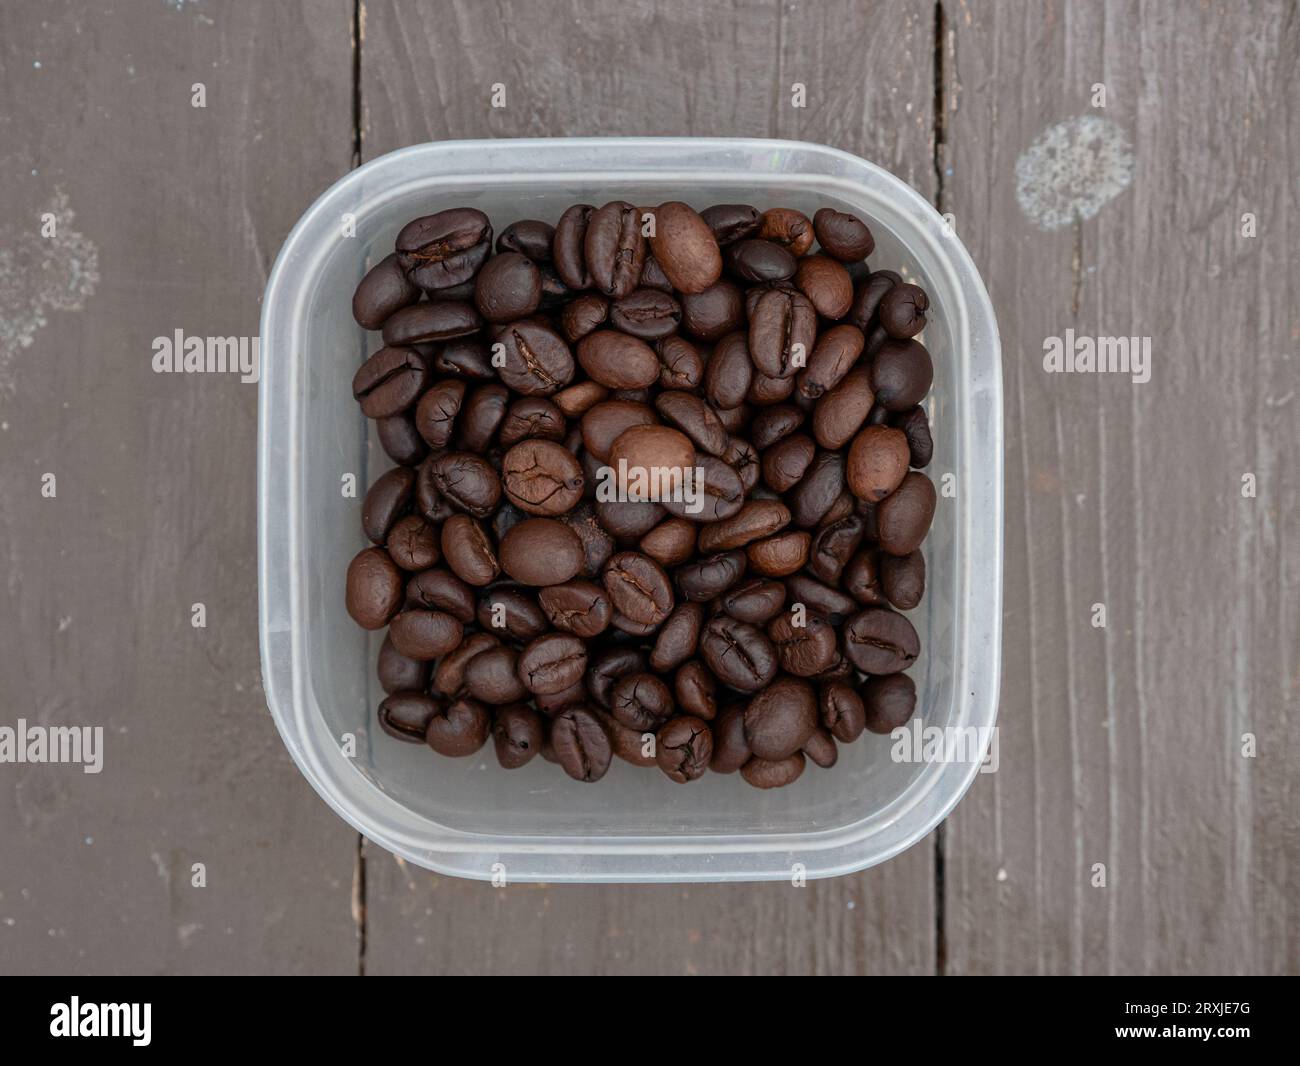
(465, 816)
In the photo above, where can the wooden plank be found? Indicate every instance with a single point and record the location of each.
(1122, 745)
(167, 217)
(635, 67)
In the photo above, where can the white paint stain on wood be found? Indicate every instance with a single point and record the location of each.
(1073, 170)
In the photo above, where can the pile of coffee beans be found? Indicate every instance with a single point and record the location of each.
(658, 491)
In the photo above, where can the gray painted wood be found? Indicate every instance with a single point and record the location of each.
(573, 68)
(179, 211)
(1123, 745)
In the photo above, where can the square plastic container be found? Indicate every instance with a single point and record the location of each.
(465, 816)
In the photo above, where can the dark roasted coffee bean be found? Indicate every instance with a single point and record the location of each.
(640, 701)
(889, 701)
(671, 542)
(821, 749)
(841, 711)
(459, 729)
(511, 611)
(877, 463)
(685, 248)
(767, 773)
(480, 417)
(880, 641)
(730, 748)
(714, 312)
(406, 715)
(400, 439)
(826, 284)
(638, 588)
(739, 654)
(728, 373)
(389, 381)
(782, 333)
(755, 520)
(413, 543)
(842, 235)
(833, 356)
(696, 690)
(469, 551)
(597, 544)
(552, 703)
(446, 248)
(578, 607)
(695, 418)
(640, 455)
(731, 222)
(786, 461)
(541, 551)
(604, 422)
(517, 735)
(734, 419)
(775, 423)
(441, 590)
(424, 635)
(902, 311)
(806, 649)
(427, 323)
(841, 411)
(680, 365)
(653, 276)
(759, 261)
(833, 546)
(373, 588)
(534, 359)
(615, 250)
(618, 361)
(742, 457)
(581, 744)
(532, 417)
(903, 579)
(779, 555)
(584, 314)
(789, 228)
(755, 601)
(867, 297)
(718, 492)
(710, 576)
(862, 578)
(781, 718)
(567, 249)
(829, 602)
(904, 517)
(916, 427)
(901, 374)
(818, 489)
(508, 287)
(628, 521)
(683, 748)
(542, 477)
(399, 673)
(577, 399)
(765, 391)
(529, 237)
(468, 481)
(611, 664)
(678, 637)
(646, 313)
(383, 291)
(845, 504)
(466, 356)
(491, 677)
(389, 498)
(435, 414)
(552, 663)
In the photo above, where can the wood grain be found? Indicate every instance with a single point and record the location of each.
(181, 210)
(1122, 745)
(617, 67)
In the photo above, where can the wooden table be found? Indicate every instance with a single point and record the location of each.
(1120, 745)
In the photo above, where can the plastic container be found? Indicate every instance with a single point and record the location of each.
(466, 816)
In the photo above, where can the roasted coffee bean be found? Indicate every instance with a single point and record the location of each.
(916, 427)
(615, 250)
(459, 729)
(511, 611)
(877, 462)
(833, 356)
(782, 332)
(609, 665)
(468, 481)
(427, 323)
(466, 356)
(584, 314)
(841, 411)
(424, 635)
(508, 287)
(449, 675)
(861, 577)
(779, 555)
(728, 372)
(903, 579)
(829, 602)
(618, 361)
(542, 477)
(685, 248)
(541, 551)
(628, 521)
(469, 551)
(742, 457)
(671, 542)
(755, 520)
(730, 747)
(805, 649)
(383, 291)
(680, 365)
(880, 641)
(446, 248)
(768, 773)
(552, 703)
(786, 461)
(517, 735)
(841, 711)
(389, 381)
(653, 276)
(646, 313)
(567, 250)
(373, 589)
(904, 517)
(821, 749)
(638, 588)
(577, 400)
(718, 492)
(833, 546)
(604, 422)
(389, 498)
(578, 607)
(773, 424)
(532, 417)
(597, 544)
(789, 228)
(781, 718)
(889, 701)
(684, 747)
(399, 673)
(755, 601)
(640, 701)
(678, 638)
(902, 311)
(650, 452)
(714, 312)
(441, 590)
(480, 417)
(406, 715)
(739, 654)
(731, 222)
(552, 663)
(760, 261)
(867, 297)
(695, 418)
(818, 490)
(435, 414)
(400, 439)
(845, 504)
(628, 744)
(901, 374)
(842, 235)
(708, 577)
(413, 543)
(765, 391)
(491, 677)
(581, 744)
(529, 237)
(826, 284)
(535, 360)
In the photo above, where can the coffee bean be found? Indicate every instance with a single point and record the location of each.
(491, 677)
(683, 749)
(552, 663)
(467, 481)
(469, 551)
(877, 463)
(759, 261)
(541, 551)
(818, 490)
(389, 381)
(638, 588)
(781, 718)
(841, 711)
(542, 477)
(642, 452)
(680, 365)
(916, 427)
(767, 773)
(756, 601)
(765, 391)
(696, 690)
(584, 314)
(576, 400)
(729, 371)
(400, 439)
(782, 331)
(779, 555)
(833, 546)
(481, 416)
(829, 602)
(867, 297)
(842, 410)
(742, 457)
(568, 247)
(532, 417)
(387, 500)
(684, 246)
(446, 248)
(902, 311)
(615, 250)
(717, 494)
(889, 701)
(406, 716)
(466, 356)
(904, 516)
(534, 359)
(826, 284)
(399, 673)
(529, 237)
(833, 356)
(653, 276)
(739, 654)
(646, 313)
(640, 701)
(821, 749)
(374, 588)
(449, 675)
(731, 222)
(880, 641)
(788, 228)
(710, 576)
(806, 649)
(628, 521)
(730, 747)
(428, 323)
(578, 607)
(903, 579)
(384, 290)
(508, 287)
(597, 544)
(581, 744)
(671, 542)
(618, 361)
(755, 520)
(901, 374)
(608, 666)
(785, 462)
(413, 543)
(695, 418)
(842, 235)
(713, 312)
(517, 735)
(459, 729)
(861, 577)
(441, 590)
(678, 637)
